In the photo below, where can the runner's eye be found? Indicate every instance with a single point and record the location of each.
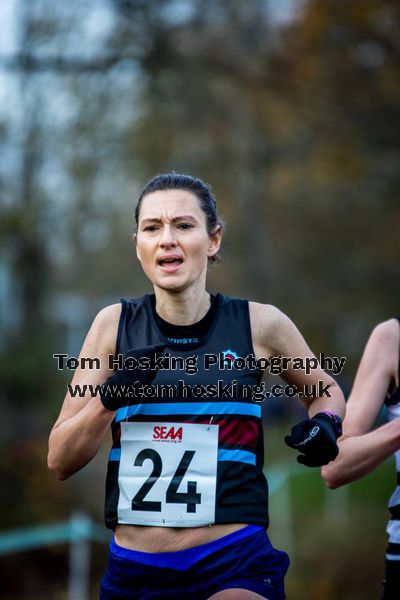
(185, 226)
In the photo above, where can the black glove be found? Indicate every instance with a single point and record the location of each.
(316, 439)
(116, 391)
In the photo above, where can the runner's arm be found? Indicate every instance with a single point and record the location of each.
(361, 450)
(276, 335)
(83, 422)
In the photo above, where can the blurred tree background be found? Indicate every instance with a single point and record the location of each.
(291, 110)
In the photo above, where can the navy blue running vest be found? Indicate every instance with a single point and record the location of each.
(241, 494)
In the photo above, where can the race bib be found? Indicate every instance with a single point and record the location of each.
(167, 474)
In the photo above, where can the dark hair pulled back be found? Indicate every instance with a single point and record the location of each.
(180, 181)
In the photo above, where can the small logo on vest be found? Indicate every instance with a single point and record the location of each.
(162, 433)
(229, 355)
(183, 340)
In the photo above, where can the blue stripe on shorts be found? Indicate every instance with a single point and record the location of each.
(183, 559)
(244, 559)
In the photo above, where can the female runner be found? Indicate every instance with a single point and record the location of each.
(362, 448)
(185, 491)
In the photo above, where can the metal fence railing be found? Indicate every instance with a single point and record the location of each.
(78, 532)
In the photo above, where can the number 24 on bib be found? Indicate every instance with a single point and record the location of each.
(167, 474)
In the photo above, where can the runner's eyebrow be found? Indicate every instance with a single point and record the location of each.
(174, 220)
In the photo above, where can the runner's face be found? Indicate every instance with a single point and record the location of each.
(172, 242)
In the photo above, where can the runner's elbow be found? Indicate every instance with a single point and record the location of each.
(53, 465)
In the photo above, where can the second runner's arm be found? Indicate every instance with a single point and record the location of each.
(360, 449)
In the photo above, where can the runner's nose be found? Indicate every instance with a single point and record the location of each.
(167, 238)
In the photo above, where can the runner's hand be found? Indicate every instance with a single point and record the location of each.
(113, 393)
(316, 439)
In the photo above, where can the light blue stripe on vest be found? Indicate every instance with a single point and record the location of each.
(115, 454)
(190, 408)
(223, 455)
(237, 456)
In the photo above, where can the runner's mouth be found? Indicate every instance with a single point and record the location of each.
(173, 261)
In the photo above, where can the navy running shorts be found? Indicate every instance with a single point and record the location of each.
(244, 559)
